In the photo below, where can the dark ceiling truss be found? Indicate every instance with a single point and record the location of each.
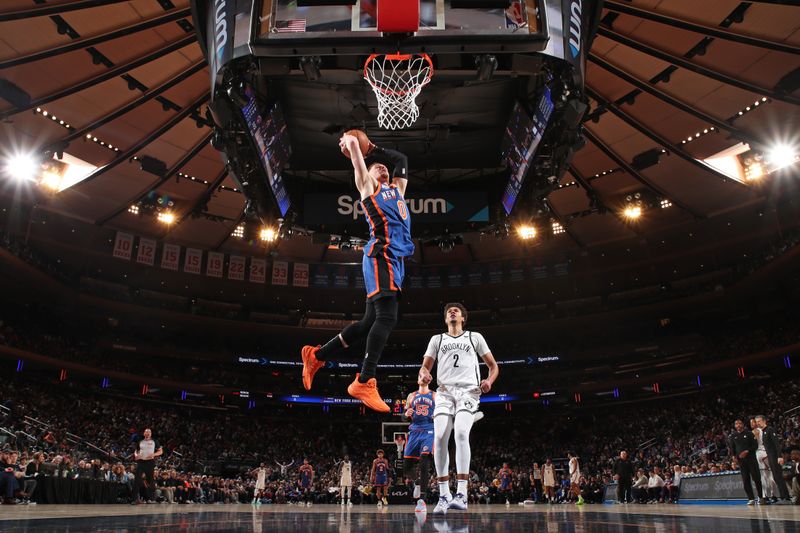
(694, 67)
(655, 137)
(79, 133)
(674, 102)
(704, 30)
(598, 205)
(204, 198)
(171, 172)
(105, 76)
(92, 41)
(43, 10)
(129, 153)
(635, 174)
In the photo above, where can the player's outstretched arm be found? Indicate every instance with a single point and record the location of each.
(399, 163)
(364, 184)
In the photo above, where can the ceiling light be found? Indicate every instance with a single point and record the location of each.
(781, 156)
(134, 209)
(166, 217)
(632, 212)
(268, 234)
(239, 231)
(22, 167)
(526, 232)
(557, 228)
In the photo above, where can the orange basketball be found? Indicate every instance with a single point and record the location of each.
(363, 142)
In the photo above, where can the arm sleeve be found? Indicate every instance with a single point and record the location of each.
(480, 344)
(432, 347)
(398, 160)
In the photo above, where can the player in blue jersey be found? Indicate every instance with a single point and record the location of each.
(379, 478)
(419, 408)
(306, 480)
(385, 209)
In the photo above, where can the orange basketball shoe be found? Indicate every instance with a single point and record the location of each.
(368, 394)
(310, 364)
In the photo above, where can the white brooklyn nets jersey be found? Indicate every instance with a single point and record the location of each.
(457, 358)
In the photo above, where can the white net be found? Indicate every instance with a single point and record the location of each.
(396, 81)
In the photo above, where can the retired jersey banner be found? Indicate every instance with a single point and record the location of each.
(193, 261)
(236, 268)
(414, 277)
(300, 275)
(214, 265)
(146, 254)
(455, 276)
(516, 270)
(170, 256)
(123, 246)
(475, 276)
(258, 270)
(280, 273)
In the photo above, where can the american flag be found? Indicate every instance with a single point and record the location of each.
(290, 26)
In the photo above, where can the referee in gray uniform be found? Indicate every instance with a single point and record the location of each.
(147, 449)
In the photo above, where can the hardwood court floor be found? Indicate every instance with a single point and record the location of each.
(397, 518)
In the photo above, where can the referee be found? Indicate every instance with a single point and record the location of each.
(147, 451)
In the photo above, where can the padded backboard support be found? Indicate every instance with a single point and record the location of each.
(398, 16)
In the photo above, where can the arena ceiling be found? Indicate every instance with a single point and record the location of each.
(109, 80)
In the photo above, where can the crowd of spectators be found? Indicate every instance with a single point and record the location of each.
(208, 453)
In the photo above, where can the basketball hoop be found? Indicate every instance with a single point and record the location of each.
(396, 80)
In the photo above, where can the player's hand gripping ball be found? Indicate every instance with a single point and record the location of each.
(359, 136)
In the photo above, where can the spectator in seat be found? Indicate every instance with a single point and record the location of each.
(10, 474)
(639, 487)
(655, 486)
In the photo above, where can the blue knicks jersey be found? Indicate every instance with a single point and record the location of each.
(389, 223)
(422, 406)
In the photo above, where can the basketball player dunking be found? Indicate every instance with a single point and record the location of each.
(457, 398)
(379, 476)
(390, 242)
(419, 408)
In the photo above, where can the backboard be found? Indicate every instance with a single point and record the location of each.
(287, 28)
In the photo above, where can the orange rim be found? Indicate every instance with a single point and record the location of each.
(397, 57)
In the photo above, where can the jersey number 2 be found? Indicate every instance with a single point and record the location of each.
(455, 356)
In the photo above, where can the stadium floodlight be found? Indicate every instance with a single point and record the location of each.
(166, 217)
(782, 155)
(22, 167)
(526, 232)
(268, 234)
(632, 212)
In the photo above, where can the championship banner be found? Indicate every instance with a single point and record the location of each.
(123, 246)
(170, 256)
(496, 273)
(193, 261)
(258, 270)
(414, 277)
(299, 276)
(359, 278)
(214, 265)
(280, 272)
(433, 279)
(320, 276)
(147, 252)
(475, 276)
(516, 271)
(341, 277)
(455, 277)
(236, 267)
(539, 271)
(561, 269)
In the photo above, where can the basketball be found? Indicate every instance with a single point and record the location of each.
(363, 141)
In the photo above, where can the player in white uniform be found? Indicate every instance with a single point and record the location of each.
(346, 481)
(457, 398)
(261, 483)
(575, 478)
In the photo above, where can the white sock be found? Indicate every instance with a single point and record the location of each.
(462, 487)
(444, 489)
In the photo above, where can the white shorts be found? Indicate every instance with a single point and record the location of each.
(575, 479)
(451, 401)
(260, 486)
